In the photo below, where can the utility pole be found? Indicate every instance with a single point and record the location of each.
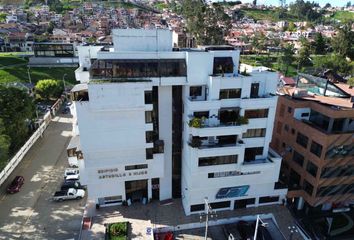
(29, 75)
(257, 224)
(207, 210)
(64, 80)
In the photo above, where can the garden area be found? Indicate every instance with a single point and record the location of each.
(117, 231)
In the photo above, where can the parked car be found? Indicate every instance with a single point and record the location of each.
(71, 193)
(71, 173)
(16, 184)
(71, 184)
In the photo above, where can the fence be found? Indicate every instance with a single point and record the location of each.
(5, 173)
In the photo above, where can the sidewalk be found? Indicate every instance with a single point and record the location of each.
(154, 215)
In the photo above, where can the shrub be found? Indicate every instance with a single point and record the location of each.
(241, 120)
(195, 122)
(49, 88)
(118, 230)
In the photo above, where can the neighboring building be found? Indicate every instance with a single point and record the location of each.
(158, 124)
(313, 132)
(54, 54)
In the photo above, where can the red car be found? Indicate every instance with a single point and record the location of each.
(16, 184)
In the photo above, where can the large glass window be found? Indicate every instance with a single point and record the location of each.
(223, 65)
(308, 187)
(256, 132)
(230, 93)
(316, 149)
(256, 113)
(220, 160)
(53, 50)
(319, 120)
(251, 153)
(149, 116)
(125, 68)
(195, 91)
(302, 140)
(136, 167)
(311, 168)
(298, 158)
(338, 125)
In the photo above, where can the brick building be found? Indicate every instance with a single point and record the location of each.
(313, 132)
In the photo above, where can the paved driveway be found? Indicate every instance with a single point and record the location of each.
(30, 214)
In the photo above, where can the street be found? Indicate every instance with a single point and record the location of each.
(30, 213)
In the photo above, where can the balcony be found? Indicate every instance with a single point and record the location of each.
(258, 161)
(213, 126)
(217, 142)
(261, 101)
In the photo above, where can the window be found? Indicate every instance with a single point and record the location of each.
(223, 65)
(283, 145)
(220, 160)
(231, 174)
(257, 132)
(216, 205)
(311, 168)
(268, 199)
(148, 116)
(316, 149)
(136, 167)
(290, 109)
(286, 127)
(201, 114)
(256, 113)
(197, 207)
(149, 153)
(125, 68)
(195, 91)
(149, 136)
(230, 93)
(298, 158)
(308, 187)
(293, 131)
(148, 97)
(254, 90)
(305, 114)
(319, 120)
(251, 153)
(338, 125)
(302, 140)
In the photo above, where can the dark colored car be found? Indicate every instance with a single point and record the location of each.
(16, 184)
(71, 184)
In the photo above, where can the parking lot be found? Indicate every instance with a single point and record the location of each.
(31, 214)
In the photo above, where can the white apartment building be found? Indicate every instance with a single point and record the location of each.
(159, 123)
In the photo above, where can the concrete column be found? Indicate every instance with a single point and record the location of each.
(149, 189)
(165, 134)
(300, 203)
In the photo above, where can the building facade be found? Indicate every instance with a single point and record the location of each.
(314, 134)
(159, 123)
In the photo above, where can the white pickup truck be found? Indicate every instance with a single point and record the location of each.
(71, 193)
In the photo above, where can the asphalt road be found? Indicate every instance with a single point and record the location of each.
(31, 214)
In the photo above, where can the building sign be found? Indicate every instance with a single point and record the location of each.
(114, 173)
(231, 192)
(233, 173)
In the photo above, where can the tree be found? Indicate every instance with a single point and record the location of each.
(3, 17)
(351, 82)
(304, 53)
(328, 5)
(343, 42)
(286, 59)
(305, 10)
(259, 42)
(16, 109)
(254, 2)
(336, 63)
(349, 4)
(208, 24)
(4, 145)
(49, 88)
(291, 27)
(319, 43)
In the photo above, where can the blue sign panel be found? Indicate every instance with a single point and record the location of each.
(231, 192)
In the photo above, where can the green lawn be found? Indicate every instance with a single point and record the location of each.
(20, 73)
(343, 16)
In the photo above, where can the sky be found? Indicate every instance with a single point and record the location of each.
(338, 3)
